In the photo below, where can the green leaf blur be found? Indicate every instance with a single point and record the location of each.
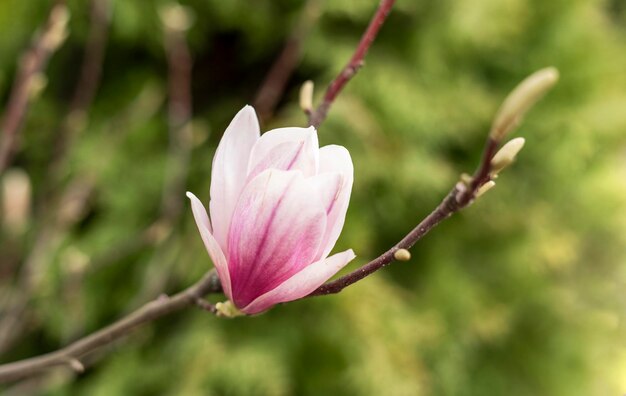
(522, 293)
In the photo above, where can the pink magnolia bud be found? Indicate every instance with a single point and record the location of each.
(278, 204)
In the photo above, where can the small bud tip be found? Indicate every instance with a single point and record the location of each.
(306, 96)
(521, 100)
(484, 188)
(506, 155)
(402, 255)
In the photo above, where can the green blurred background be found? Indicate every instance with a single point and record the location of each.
(523, 293)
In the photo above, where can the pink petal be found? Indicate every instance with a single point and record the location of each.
(334, 159)
(230, 166)
(219, 260)
(285, 149)
(276, 231)
(301, 284)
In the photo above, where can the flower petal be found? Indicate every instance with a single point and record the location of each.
(276, 231)
(301, 284)
(204, 226)
(230, 166)
(334, 159)
(328, 187)
(285, 149)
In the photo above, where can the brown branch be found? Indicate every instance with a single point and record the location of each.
(30, 66)
(513, 109)
(276, 80)
(357, 60)
(86, 86)
(459, 197)
(179, 61)
(71, 354)
(179, 120)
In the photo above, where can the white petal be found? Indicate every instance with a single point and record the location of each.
(301, 284)
(286, 149)
(335, 159)
(230, 166)
(216, 253)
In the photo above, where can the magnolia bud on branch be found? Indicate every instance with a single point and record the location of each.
(306, 97)
(523, 97)
(506, 155)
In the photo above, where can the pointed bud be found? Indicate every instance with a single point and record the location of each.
(484, 188)
(523, 97)
(506, 155)
(402, 255)
(306, 96)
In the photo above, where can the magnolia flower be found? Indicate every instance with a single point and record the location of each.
(278, 204)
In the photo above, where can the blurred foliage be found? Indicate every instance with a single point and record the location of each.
(520, 294)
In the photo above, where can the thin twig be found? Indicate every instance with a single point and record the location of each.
(514, 107)
(458, 198)
(31, 64)
(53, 229)
(153, 310)
(357, 60)
(179, 120)
(276, 80)
(86, 86)
(179, 60)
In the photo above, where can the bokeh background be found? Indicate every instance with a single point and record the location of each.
(523, 293)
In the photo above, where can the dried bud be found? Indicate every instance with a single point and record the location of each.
(506, 155)
(484, 188)
(402, 255)
(306, 96)
(176, 17)
(523, 97)
(16, 197)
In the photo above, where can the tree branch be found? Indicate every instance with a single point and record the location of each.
(71, 354)
(335, 87)
(86, 87)
(459, 197)
(30, 66)
(176, 22)
(510, 114)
